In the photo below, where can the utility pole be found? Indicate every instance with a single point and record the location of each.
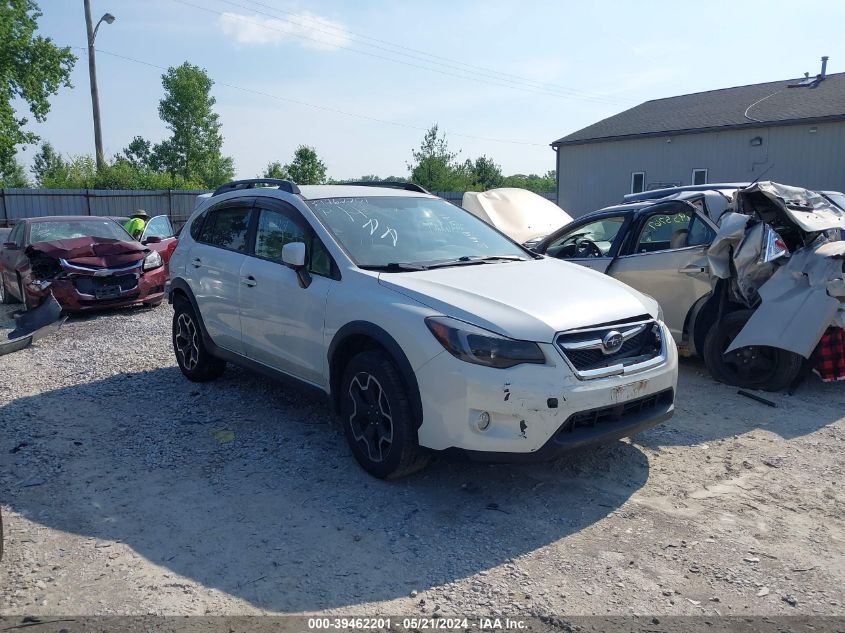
(92, 75)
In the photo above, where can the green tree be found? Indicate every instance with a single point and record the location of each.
(139, 153)
(533, 182)
(306, 168)
(12, 175)
(32, 68)
(46, 163)
(434, 165)
(275, 170)
(194, 149)
(485, 174)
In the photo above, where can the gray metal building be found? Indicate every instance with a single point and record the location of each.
(788, 131)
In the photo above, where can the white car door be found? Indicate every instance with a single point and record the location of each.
(668, 260)
(282, 313)
(213, 270)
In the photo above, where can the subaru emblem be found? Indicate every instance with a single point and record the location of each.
(612, 342)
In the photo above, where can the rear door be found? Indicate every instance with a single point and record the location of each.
(213, 269)
(667, 259)
(591, 243)
(282, 321)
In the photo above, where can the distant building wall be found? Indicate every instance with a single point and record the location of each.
(596, 175)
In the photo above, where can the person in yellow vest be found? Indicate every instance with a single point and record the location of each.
(137, 222)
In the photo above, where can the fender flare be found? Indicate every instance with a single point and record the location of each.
(385, 340)
(180, 285)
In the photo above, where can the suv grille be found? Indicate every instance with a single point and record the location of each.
(613, 349)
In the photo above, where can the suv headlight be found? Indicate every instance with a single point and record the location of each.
(153, 260)
(659, 307)
(482, 347)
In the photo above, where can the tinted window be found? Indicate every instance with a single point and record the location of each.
(663, 231)
(700, 233)
(227, 228)
(594, 239)
(276, 229)
(196, 225)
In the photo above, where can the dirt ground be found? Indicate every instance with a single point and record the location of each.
(125, 489)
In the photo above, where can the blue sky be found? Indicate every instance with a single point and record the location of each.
(504, 71)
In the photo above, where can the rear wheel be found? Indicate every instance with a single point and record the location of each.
(753, 367)
(377, 418)
(193, 357)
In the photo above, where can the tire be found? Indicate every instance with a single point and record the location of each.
(382, 437)
(5, 297)
(195, 361)
(754, 367)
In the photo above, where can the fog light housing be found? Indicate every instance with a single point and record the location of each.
(483, 422)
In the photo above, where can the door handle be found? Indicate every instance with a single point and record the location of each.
(197, 262)
(249, 281)
(693, 269)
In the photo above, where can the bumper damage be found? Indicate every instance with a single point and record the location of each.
(33, 325)
(91, 273)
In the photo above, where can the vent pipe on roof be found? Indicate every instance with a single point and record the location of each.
(824, 66)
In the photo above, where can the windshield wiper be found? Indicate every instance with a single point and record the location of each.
(394, 267)
(470, 261)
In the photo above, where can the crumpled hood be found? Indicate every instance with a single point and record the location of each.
(92, 251)
(529, 300)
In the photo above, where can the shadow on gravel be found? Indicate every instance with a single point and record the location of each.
(280, 516)
(717, 411)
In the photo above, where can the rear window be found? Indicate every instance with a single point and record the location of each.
(227, 228)
(69, 229)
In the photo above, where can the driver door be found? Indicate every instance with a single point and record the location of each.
(592, 244)
(161, 230)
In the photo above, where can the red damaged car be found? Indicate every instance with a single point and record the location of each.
(85, 262)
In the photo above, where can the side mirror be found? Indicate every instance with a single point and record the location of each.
(152, 239)
(293, 254)
(10, 246)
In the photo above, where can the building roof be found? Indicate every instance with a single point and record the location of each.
(772, 103)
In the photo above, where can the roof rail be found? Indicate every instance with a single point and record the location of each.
(284, 185)
(392, 184)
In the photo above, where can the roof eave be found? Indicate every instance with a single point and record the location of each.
(703, 130)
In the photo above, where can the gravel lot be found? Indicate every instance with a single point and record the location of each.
(126, 489)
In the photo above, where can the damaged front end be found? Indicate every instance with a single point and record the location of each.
(89, 273)
(781, 255)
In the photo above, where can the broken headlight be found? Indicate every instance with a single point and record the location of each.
(482, 347)
(153, 260)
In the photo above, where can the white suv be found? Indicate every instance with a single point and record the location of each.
(428, 329)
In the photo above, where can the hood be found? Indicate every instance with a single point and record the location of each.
(529, 300)
(100, 252)
(520, 214)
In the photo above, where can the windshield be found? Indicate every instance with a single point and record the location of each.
(64, 230)
(378, 231)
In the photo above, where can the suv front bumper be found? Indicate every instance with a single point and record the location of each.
(538, 411)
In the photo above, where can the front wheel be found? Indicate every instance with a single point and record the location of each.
(753, 367)
(377, 417)
(193, 357)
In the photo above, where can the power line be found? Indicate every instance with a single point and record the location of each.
(460, 75)
(319, 106)
(454, 64)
